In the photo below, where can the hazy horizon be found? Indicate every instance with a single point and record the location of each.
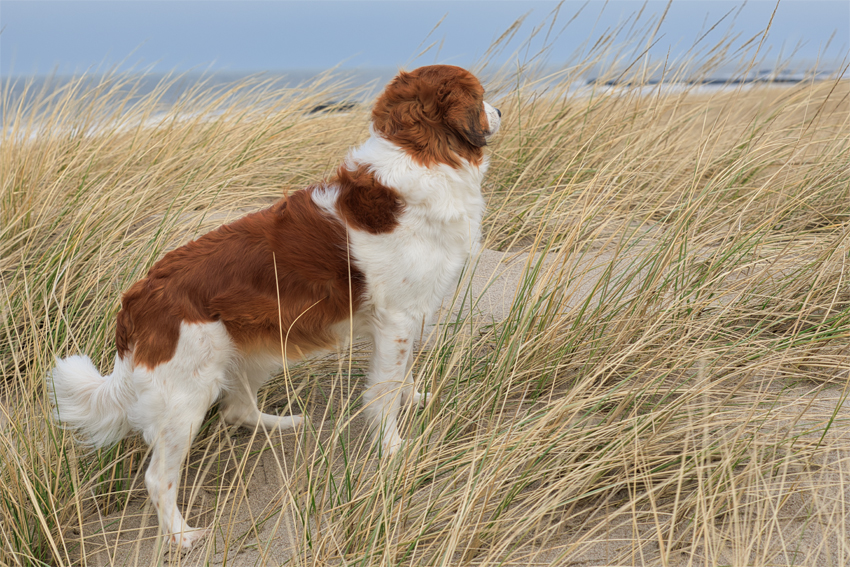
(71, 37)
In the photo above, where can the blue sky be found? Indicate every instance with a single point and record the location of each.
(72, 36)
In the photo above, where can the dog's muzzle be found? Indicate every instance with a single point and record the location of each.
(494, 118)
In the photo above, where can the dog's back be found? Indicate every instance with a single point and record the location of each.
(238, 274)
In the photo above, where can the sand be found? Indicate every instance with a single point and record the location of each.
(260, 490)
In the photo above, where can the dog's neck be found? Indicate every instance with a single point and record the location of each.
(440, 192)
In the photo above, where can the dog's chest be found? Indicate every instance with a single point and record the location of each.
(413, 267)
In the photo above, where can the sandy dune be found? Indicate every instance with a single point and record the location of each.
(245, 496)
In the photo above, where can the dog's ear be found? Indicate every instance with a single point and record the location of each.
(473, 129)
(431, 98)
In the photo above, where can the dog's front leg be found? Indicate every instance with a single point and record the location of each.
(412, 396)
(387, 381)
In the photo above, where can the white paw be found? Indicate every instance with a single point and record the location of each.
(187, 538)
(296, 421)
(391, 443)
(272, 422)
(419, 400)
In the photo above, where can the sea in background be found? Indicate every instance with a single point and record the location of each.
(129, 49)
(346, 87)
(592, 46)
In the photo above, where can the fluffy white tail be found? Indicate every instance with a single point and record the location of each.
(95, 406)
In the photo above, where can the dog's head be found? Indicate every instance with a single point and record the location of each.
(437, 114)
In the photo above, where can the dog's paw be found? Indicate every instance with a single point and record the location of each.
(292, 422)
(187, 539)
(419, 400)
(281, 423)
(391, 443)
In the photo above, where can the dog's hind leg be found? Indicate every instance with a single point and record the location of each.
(239, 404)
(172, 400)
(169, 449)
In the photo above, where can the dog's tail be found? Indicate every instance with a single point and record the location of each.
(94, 406)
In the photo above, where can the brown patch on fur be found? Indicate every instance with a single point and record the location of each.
(436, 114)
(365, 203)
(228, 275)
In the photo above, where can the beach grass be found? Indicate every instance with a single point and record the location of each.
(668, 386)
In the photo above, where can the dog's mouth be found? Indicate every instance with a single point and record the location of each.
(494, 119)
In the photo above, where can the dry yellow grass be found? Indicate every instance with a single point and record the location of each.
(668, 388)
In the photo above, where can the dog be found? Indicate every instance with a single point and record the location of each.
(369, 252)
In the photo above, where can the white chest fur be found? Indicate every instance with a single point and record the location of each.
(412, 267)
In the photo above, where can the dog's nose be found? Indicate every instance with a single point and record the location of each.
(499, 112)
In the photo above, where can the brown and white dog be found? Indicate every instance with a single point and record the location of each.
(371, 251)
